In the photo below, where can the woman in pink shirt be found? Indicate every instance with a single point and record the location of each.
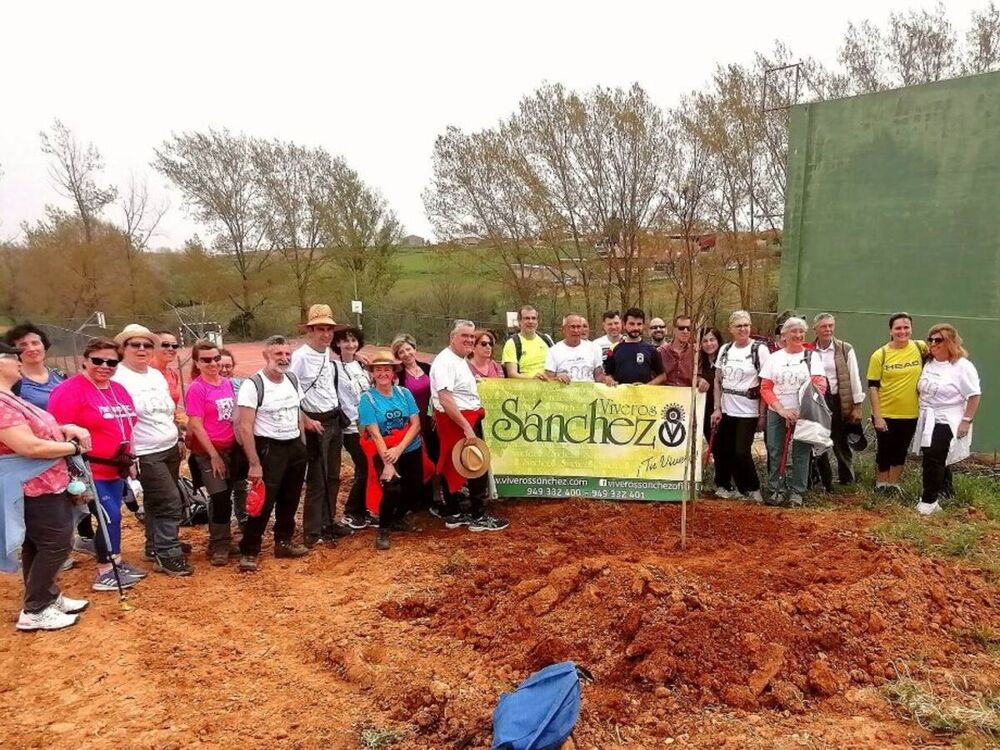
(211, 403)
(481, 360)
(93, 401)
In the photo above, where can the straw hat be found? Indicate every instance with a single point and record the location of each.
(136, 331)
(382, 357)
(320, 315)
(471, 457)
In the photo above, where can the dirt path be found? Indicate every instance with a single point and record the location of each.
(772, 630)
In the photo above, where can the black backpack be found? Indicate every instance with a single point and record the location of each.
(754, 354)
(519, 349)
(194, 503)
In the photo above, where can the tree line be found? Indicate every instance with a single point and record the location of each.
(586, 198)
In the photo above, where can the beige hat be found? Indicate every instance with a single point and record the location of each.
(136, 331)
(471, 457)
(382, 357)
(321, 315)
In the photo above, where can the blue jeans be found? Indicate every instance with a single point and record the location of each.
(109, 494)
(796, 478)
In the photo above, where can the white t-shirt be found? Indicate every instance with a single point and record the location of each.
(452, 373)
(788, 373)
(828, 356)
(579, 362)
(352, 381)
(739, 374)
(605, 345)
(945, 387)
(155, 429)
(278, 415)
(315, 372)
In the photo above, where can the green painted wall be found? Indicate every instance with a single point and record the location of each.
(893, 203)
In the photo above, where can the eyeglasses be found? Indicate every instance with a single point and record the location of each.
(139, 345)
(165, 345)
(935, 339)
(683, 328)
(102, 362)
(209, 360)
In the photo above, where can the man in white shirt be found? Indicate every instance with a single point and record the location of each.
(611, 321)
(844, 396)
(271, 425)
(458, 414)
(317, 376)
(573, 359)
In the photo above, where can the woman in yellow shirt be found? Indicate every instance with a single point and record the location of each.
(893, 372)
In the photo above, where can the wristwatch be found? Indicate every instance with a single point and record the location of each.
(76, 445)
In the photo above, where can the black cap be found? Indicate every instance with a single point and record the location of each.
(8, 349)
(856, 437)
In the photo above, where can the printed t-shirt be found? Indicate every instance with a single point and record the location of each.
(533, 353)
(388, 412)
(945, 387)
(39, 393)
(789, 373)
(155, 429)
(739, 374)
(579, 362)
(605, 345)
(14, 412)
(451, 373)
(897, 371)
(107, 413)
(278, 415)
(633, 362)
(215, 405)
(352, 381)
(315, 373)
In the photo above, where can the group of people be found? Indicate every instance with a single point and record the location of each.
(413, 430)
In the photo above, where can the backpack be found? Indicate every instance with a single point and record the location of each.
(258, 384)
(754, 353)
(519, 349)
(194, 503)
(541, 713)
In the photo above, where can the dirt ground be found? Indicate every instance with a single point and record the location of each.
(773, 629)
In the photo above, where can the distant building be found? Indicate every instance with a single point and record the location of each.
(412, 240)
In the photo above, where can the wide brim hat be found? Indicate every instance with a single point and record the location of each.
(471, 457)
(321, 315)
(136, 331)
(382, 357)
(856, 437)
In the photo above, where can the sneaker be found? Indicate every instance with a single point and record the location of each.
(289, 549)
(148, 555)
(723, 494)
(248, 563)
(84, 545)
(755, 497)
(794, 500)
(70, 606)
(488, 523)
(382, 540)
(776, 499)
(928, 509)
(173, 566)
(131, 571)
(106, 581)
(311, 541)
(49, 618)
(457, 520)
(353, 522)
(68, 563)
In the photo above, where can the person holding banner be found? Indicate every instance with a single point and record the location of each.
(458, 414)
(678, 364)
(782, 376)
(524, 353)
(633, 361)
(574, 359)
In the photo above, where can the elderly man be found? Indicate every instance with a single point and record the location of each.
(844, 396)
(657, 331)
(611, 321)
(524, 353)
(678, 357)
(318, 377)
(574, 359)
(458, 413)
(271, 424)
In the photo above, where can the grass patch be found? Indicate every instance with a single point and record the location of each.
(957, 713)
(371, 737)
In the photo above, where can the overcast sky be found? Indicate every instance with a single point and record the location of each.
(375, 82)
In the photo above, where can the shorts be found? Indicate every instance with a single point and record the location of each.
(892, 445)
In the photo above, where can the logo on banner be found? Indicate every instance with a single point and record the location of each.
(673, 430)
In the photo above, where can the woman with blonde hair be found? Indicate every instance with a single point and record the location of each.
(949, 397)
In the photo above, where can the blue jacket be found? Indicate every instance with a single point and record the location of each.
(14, 472)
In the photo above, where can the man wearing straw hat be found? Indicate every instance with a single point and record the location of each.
(458, 414)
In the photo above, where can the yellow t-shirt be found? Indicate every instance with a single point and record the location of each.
(533, 353)
(898, 371)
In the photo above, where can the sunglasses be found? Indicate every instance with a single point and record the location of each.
(209, 360)
(935, 339)
(165, 345)
(102, 362)
(683, 328)
(139, 345)
(485, 343)
(656, 327)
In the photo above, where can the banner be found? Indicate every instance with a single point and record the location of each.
(627, 442)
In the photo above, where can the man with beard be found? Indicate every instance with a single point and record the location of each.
(634, 360)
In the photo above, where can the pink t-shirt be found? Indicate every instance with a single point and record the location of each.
(108, 413)
(215, 405)
(15, 411)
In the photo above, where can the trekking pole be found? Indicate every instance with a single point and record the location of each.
(102, 523)
(711, 444)
(784, 450)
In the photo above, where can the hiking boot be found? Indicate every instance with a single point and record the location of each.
(148, 555)
(794, 500)
(107, 582)
(289, 549)
(173, 566)
(928, 509)
(382, 540)
(755, 497)
(84, 545)
(131, 571)
(219, 558)
(248, 563)
(488, 523)
(777, 499)
(310, 541)
(49, 618)
(70, 606)
(456, 520)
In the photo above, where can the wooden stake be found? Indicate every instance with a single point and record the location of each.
(690, 468)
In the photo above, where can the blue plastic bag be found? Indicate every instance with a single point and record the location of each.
(541, 713)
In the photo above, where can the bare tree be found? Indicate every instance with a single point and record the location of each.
(216, 174)
(863, 57)
(73, 170)
(982, 41)
(139, 220)
(921, 46)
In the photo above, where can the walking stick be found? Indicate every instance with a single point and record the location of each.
(711, 443)
(784, 451)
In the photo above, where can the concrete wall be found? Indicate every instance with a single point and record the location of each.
(893, 203)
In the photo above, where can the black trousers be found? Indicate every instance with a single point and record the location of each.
(324, 452)
(892, 445)
(355, 505)
(284, 466)
(48, 535)
(733, 457)
(841, 448)
(937, 475)
(401, 495)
